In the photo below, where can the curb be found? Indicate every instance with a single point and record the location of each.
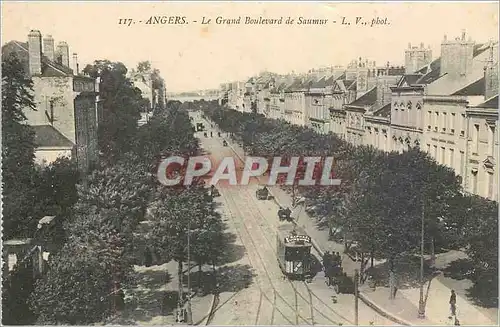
(206, 317)
(381, 311)
(362, 296)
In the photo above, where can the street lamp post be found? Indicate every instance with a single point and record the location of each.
(421, 304)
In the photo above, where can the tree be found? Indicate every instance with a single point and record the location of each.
(144, 67)
(122, 103)
(18, 148)
(177, 212)
(76, 289)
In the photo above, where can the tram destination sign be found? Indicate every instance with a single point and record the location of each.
(297, 238)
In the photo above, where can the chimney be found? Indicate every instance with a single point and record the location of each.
(75, 64)
(421, 45)
(445, 38)
(457, 57)
(491, 74)
(35, 52)
(48, 47)
(63, 51)
(409, 45)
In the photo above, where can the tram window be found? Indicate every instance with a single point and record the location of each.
(295, 254)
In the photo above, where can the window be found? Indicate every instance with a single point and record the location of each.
(473, 183)
(451, 159)
(452, 123)
(419, 106)
(444, 122)
(490, 186)
(443, 154)
(429, 117)
(428, 148)
(435, 152)
(491, 139)
(475, 139)
(462, 125)
(436, 121)
(409, 105)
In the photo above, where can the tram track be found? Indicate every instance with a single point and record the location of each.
(257, 257)
(310, 293)
(315, 300)
(258, 217)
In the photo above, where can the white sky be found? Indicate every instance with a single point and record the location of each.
(192, 57)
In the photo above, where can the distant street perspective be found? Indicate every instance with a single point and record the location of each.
(92, 234)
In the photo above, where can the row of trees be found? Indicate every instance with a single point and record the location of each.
(383, 196)
(93, 262)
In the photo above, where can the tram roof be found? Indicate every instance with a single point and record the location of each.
(285, 229)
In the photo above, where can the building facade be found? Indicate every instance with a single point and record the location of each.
(65, 100)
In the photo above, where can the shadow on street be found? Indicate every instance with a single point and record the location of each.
(484, 291)
(407, 269)
(146, 301)
(230, 279)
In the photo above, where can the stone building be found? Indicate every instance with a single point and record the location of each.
(295, 101)
(343, 92)
(417, 57)
(236, 96)
(481, 175)
(66, 101)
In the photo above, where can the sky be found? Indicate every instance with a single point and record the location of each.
(197, 56)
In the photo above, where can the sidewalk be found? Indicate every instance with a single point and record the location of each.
(154, 300)
(404, 308)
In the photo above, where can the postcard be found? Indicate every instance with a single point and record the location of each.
(250, 163)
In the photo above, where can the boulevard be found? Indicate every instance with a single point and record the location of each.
(273, 299)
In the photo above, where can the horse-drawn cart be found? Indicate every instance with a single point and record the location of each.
(284, 214)
(262, 193)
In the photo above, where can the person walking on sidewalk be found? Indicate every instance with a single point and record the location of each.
(453, 303)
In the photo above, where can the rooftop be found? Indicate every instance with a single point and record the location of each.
(385, 111)
(48, 136)
(49, 67)
(367, 99)
(491, 103)
(475, 88)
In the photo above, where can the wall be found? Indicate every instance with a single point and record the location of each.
(481, 147)
(446, 139)
(86, 130)
(50, 155)
(378, 133)
(59, 90)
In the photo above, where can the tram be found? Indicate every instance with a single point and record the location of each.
(294, 251)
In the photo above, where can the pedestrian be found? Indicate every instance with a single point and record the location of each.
(211, 134)
(453, 302)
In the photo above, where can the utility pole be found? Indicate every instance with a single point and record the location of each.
(356, 296)
(189, 311)
(421, 304)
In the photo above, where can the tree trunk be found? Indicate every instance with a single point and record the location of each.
(433, 252)
(199, 278)
(362, 267)
(181, 284)
(216, 283)
(346, 248)
(392, 279)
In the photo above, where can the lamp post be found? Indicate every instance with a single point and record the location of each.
(421, 304)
